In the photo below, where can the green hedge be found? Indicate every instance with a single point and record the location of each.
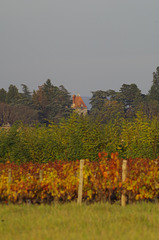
(79, 137)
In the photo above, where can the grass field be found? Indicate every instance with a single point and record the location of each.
(70, 221)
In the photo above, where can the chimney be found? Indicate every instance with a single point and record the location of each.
(73, 99)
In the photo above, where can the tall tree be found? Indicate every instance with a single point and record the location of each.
(149, 107)
(3, 95)
(154, 90)
(105, 105)
(52, 102)
(12, 113)
(100, 97)
(25, 96)
(26, 92)
(12, 95)
(5, 114)
(130, 96)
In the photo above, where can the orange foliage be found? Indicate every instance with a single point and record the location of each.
(60, 179)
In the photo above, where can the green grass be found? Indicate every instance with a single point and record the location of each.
(73, 222)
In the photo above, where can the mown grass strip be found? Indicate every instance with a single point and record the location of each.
(70, 221)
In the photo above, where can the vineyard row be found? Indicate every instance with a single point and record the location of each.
(59, 180)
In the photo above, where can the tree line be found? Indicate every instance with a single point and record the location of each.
(108, 105)
(47, 103)
(52, 103)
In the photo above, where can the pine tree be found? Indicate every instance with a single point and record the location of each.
(154, 90)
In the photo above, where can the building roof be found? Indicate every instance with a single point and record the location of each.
(78, 102)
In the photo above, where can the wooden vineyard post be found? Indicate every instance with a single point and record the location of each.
(9, 175)
(124, 175)
(80, 188)
(9, 182)
(40, 175)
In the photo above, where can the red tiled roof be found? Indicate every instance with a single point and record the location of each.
(78, 102)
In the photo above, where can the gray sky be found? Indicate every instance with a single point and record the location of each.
(85, 45)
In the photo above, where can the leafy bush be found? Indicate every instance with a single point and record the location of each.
(78, 137)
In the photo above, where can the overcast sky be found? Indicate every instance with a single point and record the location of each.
(85, 45)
